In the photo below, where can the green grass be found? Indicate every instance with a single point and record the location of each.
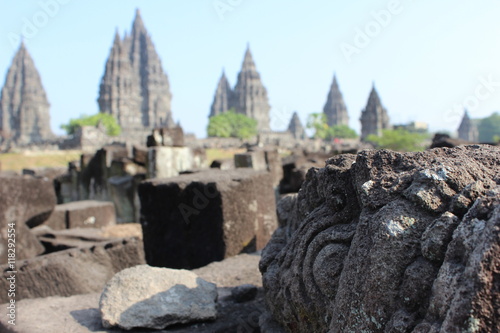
(26, 160)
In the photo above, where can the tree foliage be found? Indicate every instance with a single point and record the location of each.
(232, 124)
(399, 140)
(107, 120)
(318, 122)
(489, 127)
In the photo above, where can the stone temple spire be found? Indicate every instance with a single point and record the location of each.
(468, 130)
(134, 87)
(374, 117)
(223, 95)
(335, 109)
(24, 108)
(250, 95)
(295, 127)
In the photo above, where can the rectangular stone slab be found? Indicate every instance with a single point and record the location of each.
(72, 272)
(194, 219)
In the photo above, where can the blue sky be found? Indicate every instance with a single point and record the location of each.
(428, 59)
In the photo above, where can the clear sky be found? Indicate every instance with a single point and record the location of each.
(427, 58)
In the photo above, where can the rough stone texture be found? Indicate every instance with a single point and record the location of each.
(249, 96)
(168, 137)
(82, 214)
(255, 160)
(191, 220)
(374, 117)
(244, 293)
(391, 243)
(296, 128)
(74, 271)
(152, 297)
(335, 109)
(58, 240)
(165, 162)
(134, 87)
(140, 154)
(295, 168)
(27, 202)
(233, 271)
(223, 164)
(24, 108)
(123, 192)
(445, 141)
(467, 130)
(80, 314)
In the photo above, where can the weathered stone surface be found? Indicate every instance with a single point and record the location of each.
(58, 240)
(335, 109)
(24, 201)
(123, 192)
(445, 141)
(255, 160)
(167, 137)
(80, 313)
(82, 214)
(140, 154)
(74, 271)
(152, 297)
(391, 243)
(24, 108)
(191, 220)
(165, 162)
(233, 271)
(225, 164)
(244, 293)
(134, 87)
(374, 117)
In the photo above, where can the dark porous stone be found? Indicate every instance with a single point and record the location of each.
(25, 202)
(73, 271)
(194, 219)
(244, 293)
(389, 242)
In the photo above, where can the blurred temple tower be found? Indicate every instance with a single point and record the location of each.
(468, 130)
(24, 108)
(249, 96)
(134, 88)
(374, 117)
(335, 109)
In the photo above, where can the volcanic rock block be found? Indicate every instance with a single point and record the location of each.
(74, 271)
(80, 313)
(390, 242)
(167, 137)
(25, 202)
(123, 192)
(191, 220)
(164, 162)
(140, 155)
(255, 160)
(82, 214)
(152, 297)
